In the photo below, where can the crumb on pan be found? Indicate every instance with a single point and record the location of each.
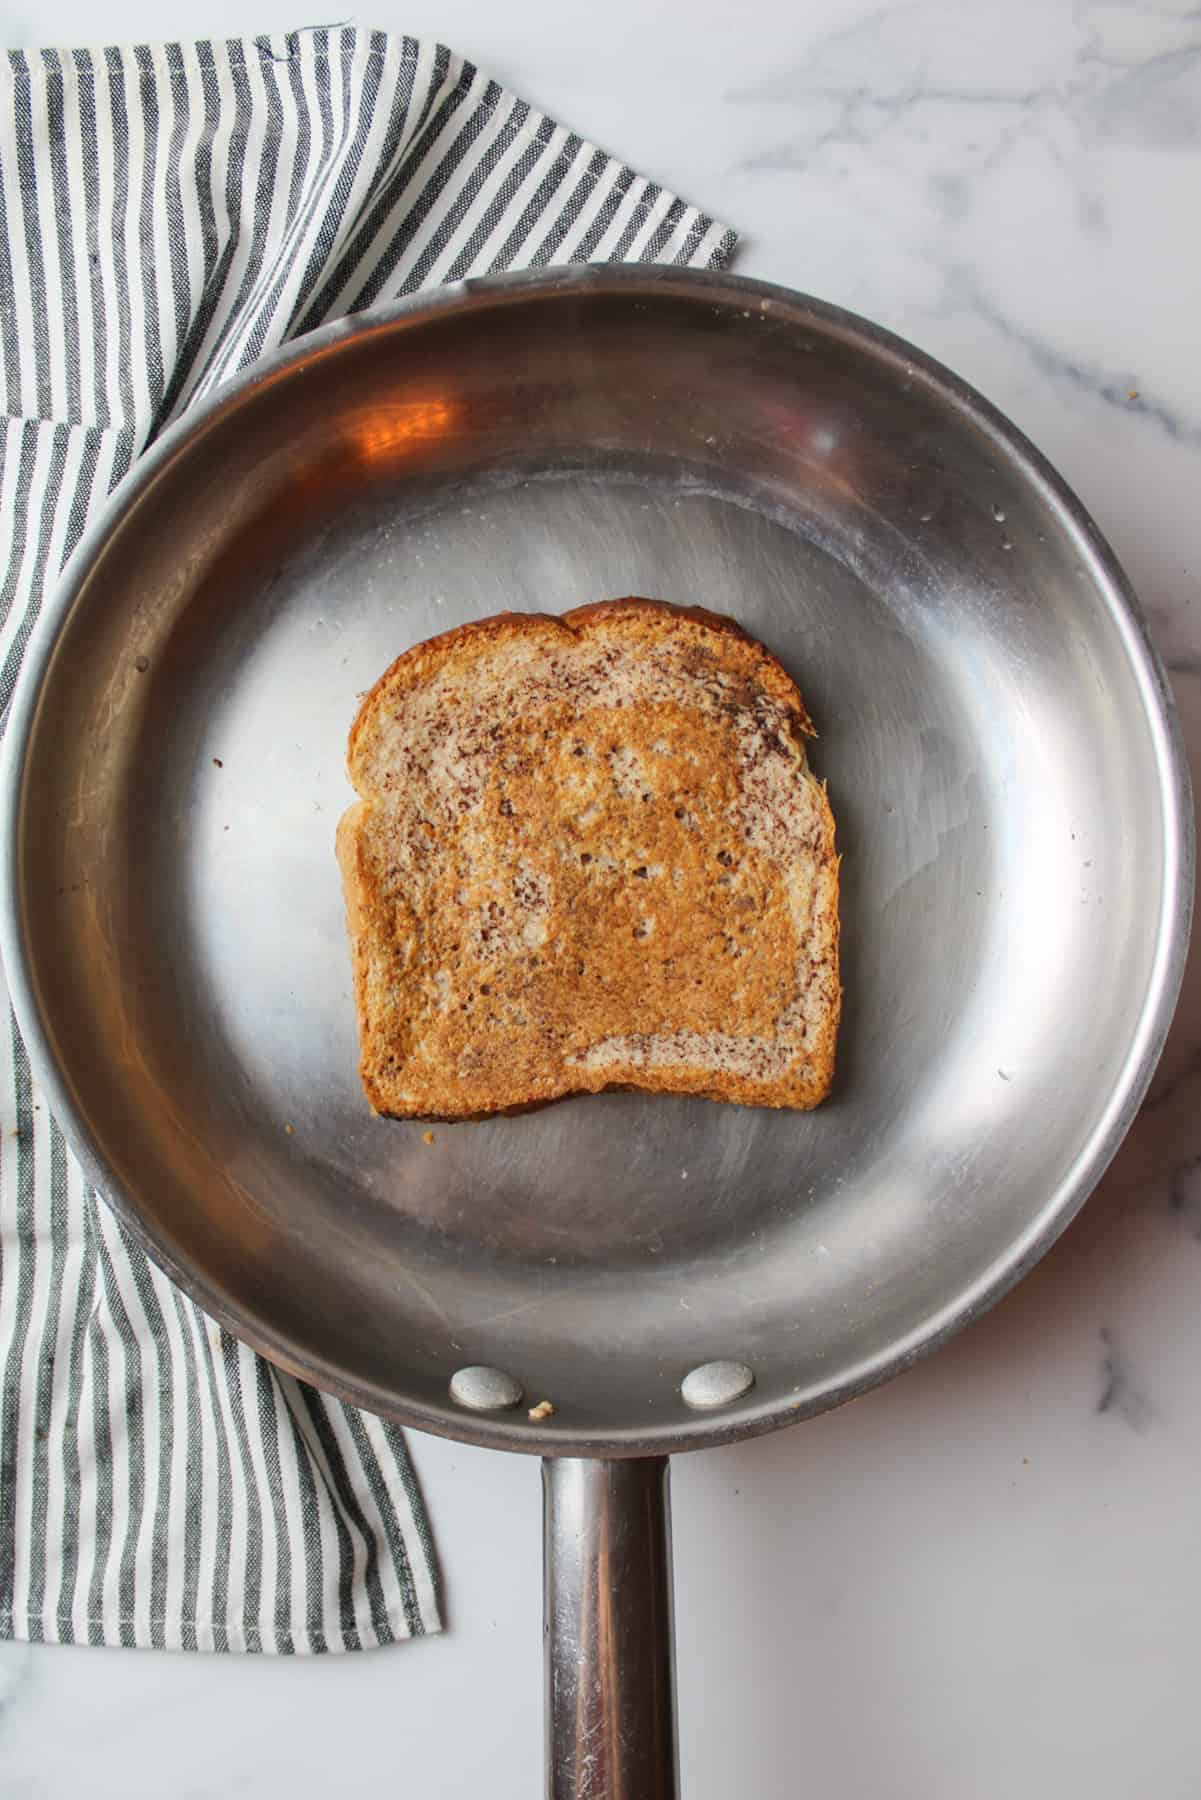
(289, 1129)
(427, 1137)
(543, 1410)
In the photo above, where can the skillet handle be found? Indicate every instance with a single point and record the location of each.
(607, 1630)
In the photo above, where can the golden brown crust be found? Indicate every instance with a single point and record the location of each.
(719, 626)
(617, 874)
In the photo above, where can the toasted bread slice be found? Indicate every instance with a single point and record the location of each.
(589, 853)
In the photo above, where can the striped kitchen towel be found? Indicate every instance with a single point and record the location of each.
(168, 213)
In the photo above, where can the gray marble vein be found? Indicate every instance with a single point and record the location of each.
(1122, 1392)
(923, 92)
(1154, 106)
(1185, 1194)
(16, 1670)
(1112, 387)
(1165, 1091)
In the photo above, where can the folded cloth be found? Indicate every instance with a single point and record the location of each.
(168, 213)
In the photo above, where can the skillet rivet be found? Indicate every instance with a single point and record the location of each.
(483, 1389)
(716, 1383)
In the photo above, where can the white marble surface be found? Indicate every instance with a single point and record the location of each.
(984, 1580)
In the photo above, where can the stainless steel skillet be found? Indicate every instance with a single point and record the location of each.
(1013, 816)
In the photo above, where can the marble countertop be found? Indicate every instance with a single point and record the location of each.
(983, 1580)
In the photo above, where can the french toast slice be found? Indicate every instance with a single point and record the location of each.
(589, 852)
